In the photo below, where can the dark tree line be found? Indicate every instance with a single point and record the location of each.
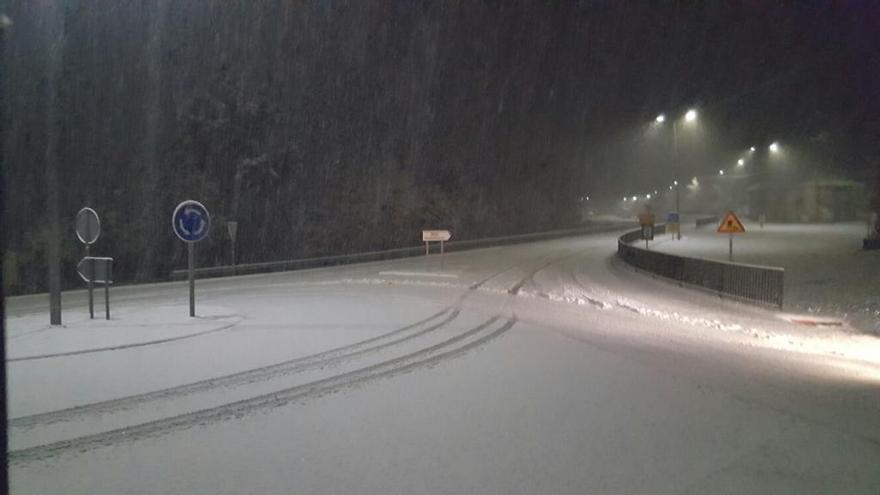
(330, 127)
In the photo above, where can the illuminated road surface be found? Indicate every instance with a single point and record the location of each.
(536, 368)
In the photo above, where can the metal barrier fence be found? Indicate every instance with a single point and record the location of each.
(707, 221)
(389, 254)
(749, 283)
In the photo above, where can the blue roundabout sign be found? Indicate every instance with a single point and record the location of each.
(191, 221)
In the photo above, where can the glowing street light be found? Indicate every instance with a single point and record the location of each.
(752, 149)
(721, 172)
(774, 147)
(740, 162)
(635, 198)
(690, 117)
(647, 196)
(675, 183)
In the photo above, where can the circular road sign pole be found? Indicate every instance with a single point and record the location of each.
(191, 223)
(88, 229)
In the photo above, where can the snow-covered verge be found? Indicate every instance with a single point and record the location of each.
(826, 271)
(31, 338)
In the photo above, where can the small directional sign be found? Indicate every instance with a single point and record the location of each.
(731, 225)
(95, 269)
(191, 221)
(436, 235)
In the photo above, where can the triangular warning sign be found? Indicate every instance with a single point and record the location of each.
(731, 225)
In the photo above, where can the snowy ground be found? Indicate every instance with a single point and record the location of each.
(826, 270)
(538, 368)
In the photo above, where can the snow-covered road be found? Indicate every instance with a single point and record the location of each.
(537, 368)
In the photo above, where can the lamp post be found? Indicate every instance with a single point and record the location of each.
(690, 117)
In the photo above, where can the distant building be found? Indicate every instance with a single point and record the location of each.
(817, 200)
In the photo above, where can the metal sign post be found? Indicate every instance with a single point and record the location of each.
(673, 224)
(88, 229)
(646, 220)
(232, 228)
(191, 223)
(91, 286)
(107, 288)
(730, 251)
(94, 269)
(191, 267)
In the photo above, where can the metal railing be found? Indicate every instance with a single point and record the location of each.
(389, 254)
(749, 283)
(701, 222)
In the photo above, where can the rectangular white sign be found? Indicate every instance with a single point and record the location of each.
(436, 235)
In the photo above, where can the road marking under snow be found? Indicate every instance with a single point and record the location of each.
(815, 321)
(420, 274)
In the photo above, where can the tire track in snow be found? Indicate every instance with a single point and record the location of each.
(418, 359)
(268, 372)
(127, 346)
(243, 377)
(530, 277)
(289, 367)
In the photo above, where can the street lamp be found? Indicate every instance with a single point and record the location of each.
(774, 147)
(690, 117)
(721, 172)
(752, 149)
(740, 162)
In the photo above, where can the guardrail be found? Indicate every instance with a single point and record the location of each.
(389, 254)
(701, 222)
(748, 283)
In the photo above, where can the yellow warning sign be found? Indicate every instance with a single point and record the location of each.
(731, 225)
